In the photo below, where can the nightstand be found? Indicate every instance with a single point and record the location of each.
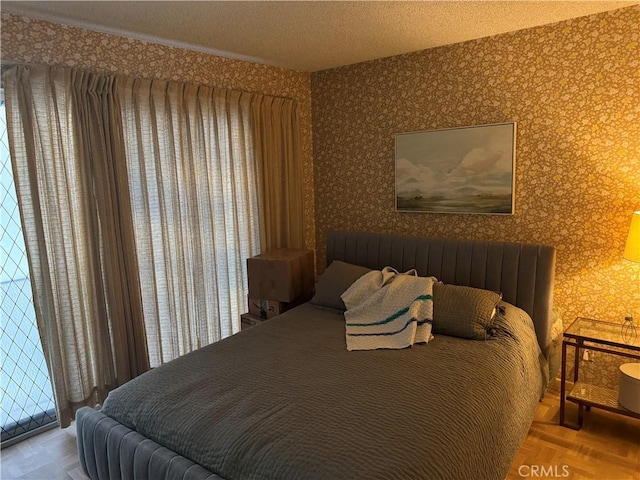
(597, 336)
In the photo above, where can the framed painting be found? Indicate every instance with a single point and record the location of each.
(457, 170)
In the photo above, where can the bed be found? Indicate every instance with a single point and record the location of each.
(285, 399)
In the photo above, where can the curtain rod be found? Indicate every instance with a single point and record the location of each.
(7, 64)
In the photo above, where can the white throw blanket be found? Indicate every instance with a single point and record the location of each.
(387, 309)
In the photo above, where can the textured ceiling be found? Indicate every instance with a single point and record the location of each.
(308, 35)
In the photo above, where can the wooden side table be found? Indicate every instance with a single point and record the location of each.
(598, 336)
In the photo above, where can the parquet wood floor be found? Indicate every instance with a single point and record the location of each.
(606, 448)
(52, 455)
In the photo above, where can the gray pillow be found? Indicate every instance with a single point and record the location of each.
(334, 281)
(464, 312)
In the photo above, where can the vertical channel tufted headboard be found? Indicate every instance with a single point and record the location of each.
(524, 273)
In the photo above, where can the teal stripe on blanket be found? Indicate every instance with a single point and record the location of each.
(392, 317)
(388, 334)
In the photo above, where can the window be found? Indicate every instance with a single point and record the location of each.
(27, 399)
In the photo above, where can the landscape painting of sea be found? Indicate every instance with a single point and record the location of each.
(457, 170)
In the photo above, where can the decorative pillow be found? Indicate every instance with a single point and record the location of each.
(464, 312)
(334, 281)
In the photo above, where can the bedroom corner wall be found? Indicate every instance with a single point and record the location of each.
(27, 40)
(574, 90)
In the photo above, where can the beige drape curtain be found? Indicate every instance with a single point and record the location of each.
(215, 178)
(65, 140)
(141, 201)
(194, 189)
(279, 166)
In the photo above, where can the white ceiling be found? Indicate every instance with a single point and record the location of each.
(308, 35)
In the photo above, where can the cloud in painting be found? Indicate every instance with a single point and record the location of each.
(413, 180)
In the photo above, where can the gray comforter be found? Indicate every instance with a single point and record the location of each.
(286, 400)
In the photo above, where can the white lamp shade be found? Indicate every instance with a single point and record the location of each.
(632, 247)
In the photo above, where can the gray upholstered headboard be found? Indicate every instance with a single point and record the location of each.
(524, 273)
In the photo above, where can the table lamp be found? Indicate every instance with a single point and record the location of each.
(632, 247)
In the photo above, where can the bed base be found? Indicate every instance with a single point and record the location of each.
(108, 450)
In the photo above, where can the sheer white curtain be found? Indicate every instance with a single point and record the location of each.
(194, 195)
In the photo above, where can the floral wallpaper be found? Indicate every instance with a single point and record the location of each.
(574, 90)
(28, 40)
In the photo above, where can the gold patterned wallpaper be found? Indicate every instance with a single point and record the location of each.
(574, 90)
(28, 40)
